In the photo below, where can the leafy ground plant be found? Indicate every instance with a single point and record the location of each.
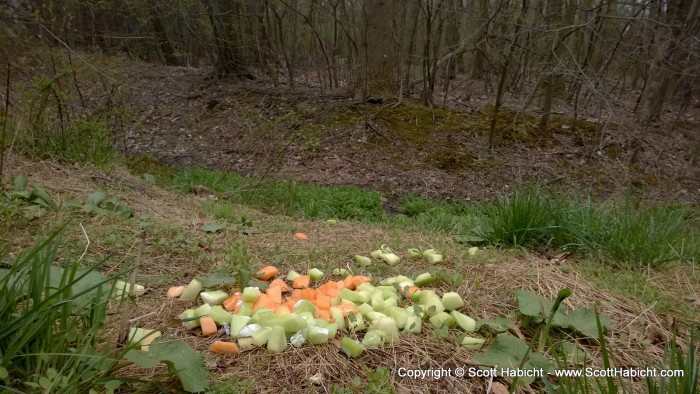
(50, 321)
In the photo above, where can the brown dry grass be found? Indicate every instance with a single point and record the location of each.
(637, 336)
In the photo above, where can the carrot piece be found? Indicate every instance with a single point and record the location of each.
(208, 326)
(175, 291)
(301, 236)
(333, 293)
(275, 294)
(323, 314)
(220, 347)
(230, 303)
(323, 302)
(301, 282)
(347, 283)
(267, 273)
(279, 282)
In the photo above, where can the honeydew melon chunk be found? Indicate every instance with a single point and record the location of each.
(425, 279)
(415, 297)
(277, 341)
(452, 301)
(245, 344)
(250, 294)
(352, 296)
(262, 316)
(391, 258)
(304, 306)
(472, 343)
(142, 337)
(122, 289)
(391, 301)
(261, 336)
(220, 315)
(388, 326)
(473, 250)
(430, 251)
(366, 287)
(351, 347)
(189, 319)
(433, 307)
(374, 316)
(414, 253)
(335, 301)
(434, 258)
(317, 335)
(248, 330)
(364, 296)
(356, 322)
(373, 339)
(362, 261)
(404, 285)
(442, 319)
(413, 324)
(365, 309)
(203, 310)
(216, 297)
(237, 323)
(192, 290)
(340, 272)
(387, 291)
(376, 254)
(427, 294)
(332, 329)
(291, 323)
(398, 314)
(377, 300)
(466, 323)
(291, 275)
(337, 316)
(246, 309)
(309, 319)
(316, 274)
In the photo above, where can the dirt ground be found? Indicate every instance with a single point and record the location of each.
(186, 118)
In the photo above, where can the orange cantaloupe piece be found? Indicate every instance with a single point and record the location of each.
(208, 326)
(296, 295)
(347, 308)
(267, 273)
(333, 293)
(348, 284)
(175, 291)
(323, 314)
(301, 282)
(308, 294)
(411, 290)
(323, 302)
(301, 236)
(263, 302)
(279, 282)
(230, 303)
(275, 294)
(221, 347)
